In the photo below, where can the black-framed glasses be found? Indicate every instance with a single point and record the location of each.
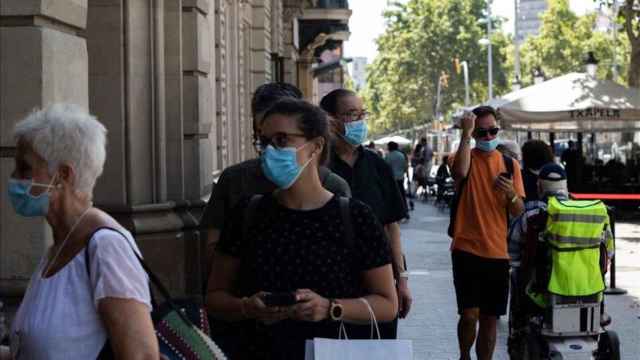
(279, 140)
(480, 132)
(355, 115)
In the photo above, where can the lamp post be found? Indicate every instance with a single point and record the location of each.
(487, 41)
(591, 64)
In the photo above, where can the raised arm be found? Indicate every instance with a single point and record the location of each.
(462, 160)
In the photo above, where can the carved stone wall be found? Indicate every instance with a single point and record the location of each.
(172, 81)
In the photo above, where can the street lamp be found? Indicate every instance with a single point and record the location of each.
(591, 64)
(538, 75)
(487, 42)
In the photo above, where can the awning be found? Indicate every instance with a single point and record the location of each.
(573, 102)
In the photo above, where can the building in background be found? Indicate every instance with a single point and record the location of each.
(172, 81)
(528, 14)
(359, 72)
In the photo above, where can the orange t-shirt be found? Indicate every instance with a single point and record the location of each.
(481, 221)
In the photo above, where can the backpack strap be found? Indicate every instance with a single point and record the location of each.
(346, 220)
(249, 214)
(508, 163)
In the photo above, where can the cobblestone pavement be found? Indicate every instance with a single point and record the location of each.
(432, 321)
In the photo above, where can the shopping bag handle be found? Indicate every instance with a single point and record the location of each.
(373, 320)
(342, 332)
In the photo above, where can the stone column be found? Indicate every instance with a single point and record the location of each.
(261, 41)
(291, 10)
(198, 100)
(43, 59)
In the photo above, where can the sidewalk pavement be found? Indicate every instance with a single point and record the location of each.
(433, 319)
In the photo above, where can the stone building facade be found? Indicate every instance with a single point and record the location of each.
(172, 82)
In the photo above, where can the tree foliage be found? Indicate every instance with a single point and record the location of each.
(421, 41)
(629, 18)
(563, 42)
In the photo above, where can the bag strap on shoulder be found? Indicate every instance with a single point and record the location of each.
(155, 280)
(508, 163)
(249, 214)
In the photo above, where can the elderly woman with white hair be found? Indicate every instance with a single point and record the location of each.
(89, 297)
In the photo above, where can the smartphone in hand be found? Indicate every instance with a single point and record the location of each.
(505, 175)
(279, 299)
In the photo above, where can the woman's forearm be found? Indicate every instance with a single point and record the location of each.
(355, 311)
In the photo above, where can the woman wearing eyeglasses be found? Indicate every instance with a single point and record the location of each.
(290, 268)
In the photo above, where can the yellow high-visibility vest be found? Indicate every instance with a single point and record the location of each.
(574, 233)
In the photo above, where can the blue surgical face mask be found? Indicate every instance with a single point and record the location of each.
(355, 132)
(281, 166)
(487, 146)
(24, 203)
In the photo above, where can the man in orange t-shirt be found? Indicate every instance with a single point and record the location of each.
(479, 249)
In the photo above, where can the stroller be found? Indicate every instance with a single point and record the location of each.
(567, 327)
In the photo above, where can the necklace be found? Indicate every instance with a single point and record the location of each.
(64, 242)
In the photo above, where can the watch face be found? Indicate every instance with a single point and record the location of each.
(336, 311)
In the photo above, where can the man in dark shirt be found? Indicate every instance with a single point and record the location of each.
(246, 178)
(371, 181)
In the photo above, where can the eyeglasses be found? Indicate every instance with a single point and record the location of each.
(355, 115)
(279, 140)
(480, 132)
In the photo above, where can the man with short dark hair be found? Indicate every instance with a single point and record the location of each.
(488, 192)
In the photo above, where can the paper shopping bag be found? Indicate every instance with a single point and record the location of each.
(334, 349)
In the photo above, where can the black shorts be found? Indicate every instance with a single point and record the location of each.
(480, 283)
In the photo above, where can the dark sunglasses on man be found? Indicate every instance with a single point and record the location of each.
(480, 132)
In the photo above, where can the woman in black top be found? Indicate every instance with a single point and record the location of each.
(296, 243)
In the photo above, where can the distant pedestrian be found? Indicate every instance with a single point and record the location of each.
(399, 165)
(371, 180)
(427, 155)
(487, 192)
(297, 252)
(535, 154)
(89, 295)
(572, 161)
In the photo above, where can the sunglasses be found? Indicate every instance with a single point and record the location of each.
(480, 132)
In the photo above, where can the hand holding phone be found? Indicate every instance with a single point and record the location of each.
(506, 175)
(279, 299)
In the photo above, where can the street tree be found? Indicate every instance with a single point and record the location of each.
(629, 18)
(563, 42)
(418, 50)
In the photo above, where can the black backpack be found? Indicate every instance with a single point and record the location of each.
(508, 163)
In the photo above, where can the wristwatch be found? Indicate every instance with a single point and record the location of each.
(335, 310)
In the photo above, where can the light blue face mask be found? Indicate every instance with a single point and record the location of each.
(355, 132)
(26, 204)
(281, 166)
(487, 146)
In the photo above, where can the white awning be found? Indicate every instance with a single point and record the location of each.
(572, 102)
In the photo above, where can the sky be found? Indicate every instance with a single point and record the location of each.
(366, 23)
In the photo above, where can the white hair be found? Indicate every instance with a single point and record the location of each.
(67, 134)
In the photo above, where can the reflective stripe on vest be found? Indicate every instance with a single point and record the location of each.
(574, 231)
